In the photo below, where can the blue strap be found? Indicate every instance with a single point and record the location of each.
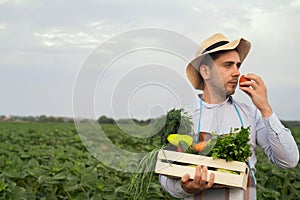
(200, 112)
(240, 117)
(251, 172)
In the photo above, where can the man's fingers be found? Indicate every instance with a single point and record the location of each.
(185, 178)
(199, 183)
(247, 90)
(256, 80)
(211, 180)
(198, 174)
(203, 176)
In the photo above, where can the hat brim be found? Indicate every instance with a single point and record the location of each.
(192, 70)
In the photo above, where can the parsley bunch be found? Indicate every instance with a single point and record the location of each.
(233, 146)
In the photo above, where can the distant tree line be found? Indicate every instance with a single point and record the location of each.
(290, 123)
(107, 120)
(41, 118)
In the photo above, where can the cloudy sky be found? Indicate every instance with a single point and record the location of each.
(49, 51)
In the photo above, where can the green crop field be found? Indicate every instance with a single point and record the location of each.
(49, 161)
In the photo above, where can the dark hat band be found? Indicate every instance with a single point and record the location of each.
(215, 45)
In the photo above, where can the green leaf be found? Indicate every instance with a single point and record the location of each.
(18, 193)
(3, 185)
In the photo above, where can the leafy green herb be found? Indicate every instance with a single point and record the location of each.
(233, 146)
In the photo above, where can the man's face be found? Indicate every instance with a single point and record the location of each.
(225, 72)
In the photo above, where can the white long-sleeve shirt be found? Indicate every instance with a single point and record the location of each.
(275, 140)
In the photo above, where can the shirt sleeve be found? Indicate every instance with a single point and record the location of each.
(172, 186)
(278, 143)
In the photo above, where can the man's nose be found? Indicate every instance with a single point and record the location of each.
(236, 71)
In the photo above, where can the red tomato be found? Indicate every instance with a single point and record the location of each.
(243, 79)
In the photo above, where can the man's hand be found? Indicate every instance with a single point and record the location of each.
(257, 91)
(199, 183)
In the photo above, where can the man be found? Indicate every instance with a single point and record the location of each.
(215, 71)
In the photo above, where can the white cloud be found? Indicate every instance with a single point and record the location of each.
(63, 38)
(89, 35)
(295, 3)
(14, 1)
(3, 26)
(99, 25)
(4, 1)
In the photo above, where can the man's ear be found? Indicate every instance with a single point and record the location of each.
(204, 70)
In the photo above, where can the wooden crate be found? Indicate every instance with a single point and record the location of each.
(177, 164)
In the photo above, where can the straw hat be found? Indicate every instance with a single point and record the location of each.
(214, 43)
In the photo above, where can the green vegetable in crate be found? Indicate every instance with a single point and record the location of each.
(185, 147)
(226, 171)
(172, 125)
(175, 138)
(210, 145)
(205, 147)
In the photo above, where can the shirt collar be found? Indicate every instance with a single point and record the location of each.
(229, 100)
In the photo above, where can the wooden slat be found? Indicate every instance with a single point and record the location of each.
(201, 160)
